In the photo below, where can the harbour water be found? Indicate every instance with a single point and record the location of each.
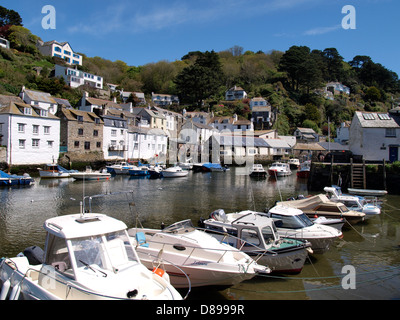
(371, 248)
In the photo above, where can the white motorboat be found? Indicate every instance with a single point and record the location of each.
(175, 172)
(91, 175)
(87, 257)
(354, 203)
(120, 168)
(181, 249)
(294, 163)
(257, 236)
(320, 205)
(279, 169)
(258, 171)
(54, 171)
(293, 223)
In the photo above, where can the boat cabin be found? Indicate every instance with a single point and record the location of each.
(88, 246)
(250, 230)
(289, 218)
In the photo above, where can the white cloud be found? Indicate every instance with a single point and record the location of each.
(321, 30)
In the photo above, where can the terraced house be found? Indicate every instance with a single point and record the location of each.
(30, 133)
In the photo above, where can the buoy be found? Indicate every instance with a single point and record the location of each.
(159, 272)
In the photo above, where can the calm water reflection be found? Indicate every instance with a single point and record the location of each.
(371, 247)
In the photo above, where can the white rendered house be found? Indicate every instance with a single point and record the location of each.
(76, 78)
(39, 99)
(31, 134)
(61, 50)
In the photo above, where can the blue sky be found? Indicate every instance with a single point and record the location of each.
(140, 32)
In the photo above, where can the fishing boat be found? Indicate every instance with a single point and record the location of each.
(320, 205)
(257, 236)
(54, 171)
(305, 169)
(293, 223)
(181, 250)
(258, 171)
(175, 172)
(294, 163)
(355, 203)
(279, 169)
(86, 257)
(90, 174)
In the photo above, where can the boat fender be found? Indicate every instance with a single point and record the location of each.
(159, 272)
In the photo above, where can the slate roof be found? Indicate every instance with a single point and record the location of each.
(377, 120)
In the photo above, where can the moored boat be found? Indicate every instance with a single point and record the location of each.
(87, 257)
(294, 163)
(304, 171)
(258, 171)
(320, 205)
(279, 169)
(89, 174)
(257, 236)
(175, 172)
(201, 257)
(54, 171)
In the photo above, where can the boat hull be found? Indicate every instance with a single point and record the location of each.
(92, 177)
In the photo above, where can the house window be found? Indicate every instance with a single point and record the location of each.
(113, 133)
(22, 144)
(97, 121)
(58, 49)
(80, 118)
(43, 113)
(391, 133)
(35, 129)
(50, 144)
(98, 145)
(46, 130)
(21, 128)
(76, 144)
(80, 132)
(35, 143)
(28, 111)
(95, 133)
(87, 145)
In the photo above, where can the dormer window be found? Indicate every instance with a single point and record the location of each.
(80, 118)
(43, 113)
(28, 111)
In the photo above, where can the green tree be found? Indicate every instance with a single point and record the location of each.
(9, 17)
(22, 39)
(373, 94)
(200, 80)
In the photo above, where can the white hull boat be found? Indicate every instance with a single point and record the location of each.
(182, 250)
(279, 169)
(294, 224)
(257, 236)
(175, 172)
(120, 168)
(87, 257)
(90, 175)
(258, 171)
(53, 171)
(354, 203)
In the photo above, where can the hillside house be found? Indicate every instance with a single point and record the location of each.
(76, 78)
(98, 106)
(258, 102)
(163, 100)
(231, 124)
(306, 135)
(261, 117)
(4, 43)
(375, 136)
(235, 93)
(61, 50)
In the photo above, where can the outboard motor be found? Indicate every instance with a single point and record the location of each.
(35, 255)
(218, 215)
